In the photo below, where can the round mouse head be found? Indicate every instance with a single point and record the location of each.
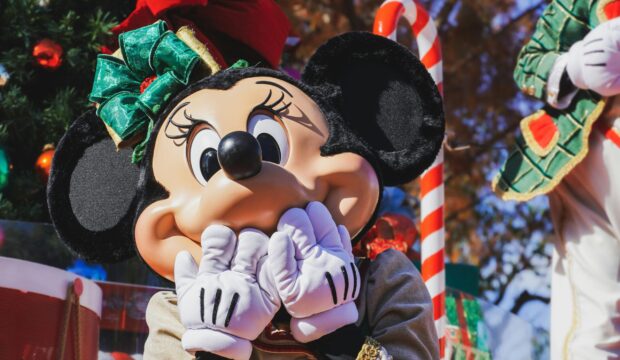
(243, 145)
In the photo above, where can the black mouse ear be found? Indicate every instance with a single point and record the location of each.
(91, 192)
(387, 106)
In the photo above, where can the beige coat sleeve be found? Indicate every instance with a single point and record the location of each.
(165, 329)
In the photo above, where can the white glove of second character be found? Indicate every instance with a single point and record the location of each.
(314, 271)
(228, 299)
(594, 62)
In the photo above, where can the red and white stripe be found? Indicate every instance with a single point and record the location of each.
(432, 188)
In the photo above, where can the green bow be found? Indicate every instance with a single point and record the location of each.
(150, 51)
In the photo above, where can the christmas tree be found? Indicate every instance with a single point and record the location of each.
(48, 50)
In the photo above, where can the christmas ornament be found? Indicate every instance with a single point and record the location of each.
(4, 76)
(5, 169)
(44, 162)
(105, 50)
(391, 231)
(48, 54)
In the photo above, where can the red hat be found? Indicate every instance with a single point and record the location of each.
(258, 24)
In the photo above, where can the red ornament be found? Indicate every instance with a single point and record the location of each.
(146, 82)
(121, 356)
(391, 231)
(48, 54)
(44, 162)
(105, 50)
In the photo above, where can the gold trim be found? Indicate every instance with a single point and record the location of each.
(127, 143)
(587, 129)
(186, 35)
(576, 318)
(371, 350)
(529, 136)
(600, 10)
(118, 54)
(117, 140)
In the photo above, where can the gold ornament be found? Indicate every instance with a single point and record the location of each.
(371, 350)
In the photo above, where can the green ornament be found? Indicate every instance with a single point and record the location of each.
(5, 168)
(240, 64)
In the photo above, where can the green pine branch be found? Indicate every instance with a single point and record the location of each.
(37, 105)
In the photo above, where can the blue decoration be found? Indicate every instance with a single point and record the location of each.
(394, 201)
(4, 75)
(93, 272)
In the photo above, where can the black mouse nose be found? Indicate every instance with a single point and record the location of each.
(239, 155)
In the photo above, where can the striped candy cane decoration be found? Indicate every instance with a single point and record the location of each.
(432, 188)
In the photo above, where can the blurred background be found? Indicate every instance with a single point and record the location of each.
(47, 58)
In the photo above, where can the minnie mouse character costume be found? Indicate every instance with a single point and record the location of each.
(243, 186)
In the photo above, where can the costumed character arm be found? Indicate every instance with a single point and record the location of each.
(402, 318)
(165, 328)
(316, 276)
(566, 63)
(314, 270)
(542, 61)
(399, 322)
(594, 62)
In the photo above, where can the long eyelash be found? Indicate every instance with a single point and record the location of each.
(273, 107)
(184, 129)
(283, 108)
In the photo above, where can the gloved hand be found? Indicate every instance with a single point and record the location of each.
(314, 271)
(594, 62)
(228, 299)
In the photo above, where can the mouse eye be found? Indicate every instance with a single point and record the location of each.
(271, 136)
(203, 154)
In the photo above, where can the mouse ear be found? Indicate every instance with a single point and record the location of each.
(385, 104)
(91, 192)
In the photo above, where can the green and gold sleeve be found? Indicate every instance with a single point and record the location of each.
(562, 23)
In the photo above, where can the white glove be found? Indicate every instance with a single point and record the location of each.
(594, 62)
(314, 270)
(230, 298)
